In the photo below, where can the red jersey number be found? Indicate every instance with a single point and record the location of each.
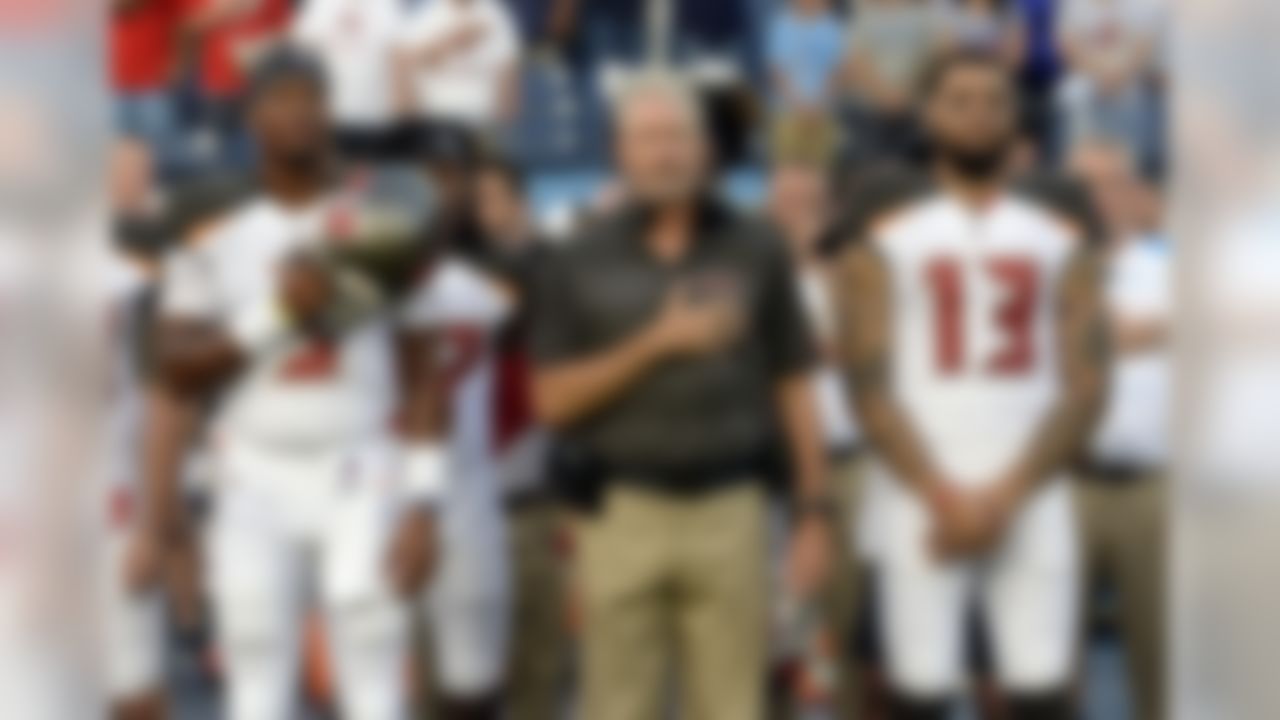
(316, 361)
(1014, 315)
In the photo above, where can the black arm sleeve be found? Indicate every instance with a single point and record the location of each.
(1068, 198)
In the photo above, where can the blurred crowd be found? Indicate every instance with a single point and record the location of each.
(533, 76)
(506, 104)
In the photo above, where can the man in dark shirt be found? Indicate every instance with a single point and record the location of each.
(672, 352)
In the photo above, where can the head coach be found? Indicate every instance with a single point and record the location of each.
(673, 357)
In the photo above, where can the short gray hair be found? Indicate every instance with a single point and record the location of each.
(663, 85)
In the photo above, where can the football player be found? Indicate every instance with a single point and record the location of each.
(326, 468)
(457, 314)
(459, 311)
(975, 341)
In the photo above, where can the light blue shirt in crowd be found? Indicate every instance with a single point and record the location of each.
(807, 50)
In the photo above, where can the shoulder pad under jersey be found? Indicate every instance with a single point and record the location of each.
(869, 196)
(1067, 198)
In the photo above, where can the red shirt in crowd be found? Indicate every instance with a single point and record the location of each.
(144, 43)
(221, 48)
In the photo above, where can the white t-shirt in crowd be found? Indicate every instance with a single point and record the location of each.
(1136, 425)
(466, 85)
(838, 424)
(1110, 31)
(356, 40)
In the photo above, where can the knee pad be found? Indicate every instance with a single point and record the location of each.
(253, 628)
(369, 651)
(259, 692)
(369, 628)
(259, 655)
(135, 666)
(1042, 706)
(470, 646)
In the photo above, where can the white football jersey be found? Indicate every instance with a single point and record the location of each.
(467, 309)
(974, 304)
(839, 426)
(1135, 426)
(306, 392)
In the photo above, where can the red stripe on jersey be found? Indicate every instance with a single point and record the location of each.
(512, 398)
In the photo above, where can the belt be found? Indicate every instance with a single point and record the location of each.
(1116, 471)
(529, 498)
(700, 477)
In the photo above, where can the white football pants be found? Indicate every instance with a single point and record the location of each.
(1027, 588)
(469, 604)
(293, 528)
(133, 624)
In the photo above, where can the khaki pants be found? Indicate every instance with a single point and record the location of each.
(1124, 543)
(674, 587)
(538, 643)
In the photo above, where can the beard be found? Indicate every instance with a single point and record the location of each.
(303, 159)
(302, 151)
(975, 164)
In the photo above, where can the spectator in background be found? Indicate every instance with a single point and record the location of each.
(144, 66)
(229, 36)
(1123, 483)
(1038, 74)
(1111, 48)
(990, 26)
(891, 44)
(356, 40)
(801, 205)
(719, 31)
(460, 64)
(805, 54)
(805, 49)
(614, 30)
(546, 24)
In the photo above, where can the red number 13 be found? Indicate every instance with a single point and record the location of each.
(1013, 315)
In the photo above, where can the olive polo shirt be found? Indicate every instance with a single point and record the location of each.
(688, 422)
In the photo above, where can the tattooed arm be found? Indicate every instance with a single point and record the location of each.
(862, 296)
(1084, 360)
